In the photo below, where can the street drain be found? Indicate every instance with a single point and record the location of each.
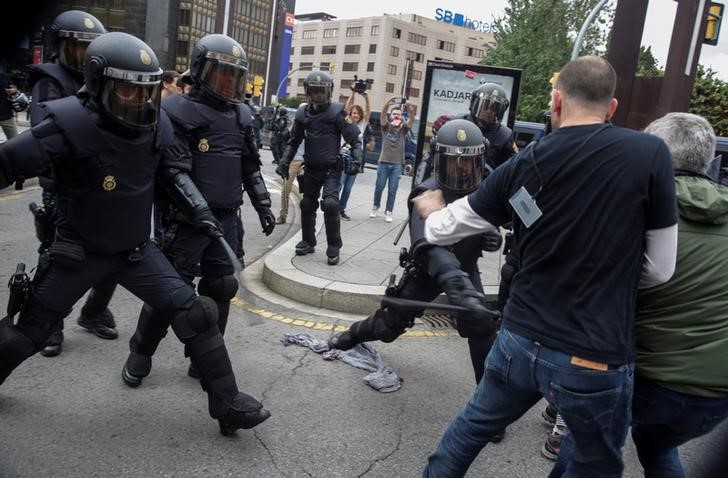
(438, 321)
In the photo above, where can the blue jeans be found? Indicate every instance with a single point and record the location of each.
(387, 172)
(518, 372)
(347, 182)
(663, 419)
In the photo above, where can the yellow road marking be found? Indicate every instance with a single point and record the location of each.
(311, 324)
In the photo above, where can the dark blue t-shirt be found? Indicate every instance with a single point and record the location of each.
(576, 287)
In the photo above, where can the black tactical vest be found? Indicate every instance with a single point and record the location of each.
(39, 76)
(218, 141)
(106, 186)
(323, 136)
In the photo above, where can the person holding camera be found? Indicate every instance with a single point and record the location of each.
(7, 113)
(360, 118)
(389, 169)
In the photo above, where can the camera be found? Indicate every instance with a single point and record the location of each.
(400, 100)
(360, 86)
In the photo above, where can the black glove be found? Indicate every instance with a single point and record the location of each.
(282, 170)
(267, 220)
(480, 321)
(206, 222)
(491, 241)
(353, 167)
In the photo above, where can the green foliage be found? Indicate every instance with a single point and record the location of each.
(537, 36)
(647, 64)
(291, 101)
(710, 99)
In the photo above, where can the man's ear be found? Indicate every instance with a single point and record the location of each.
(613, 105)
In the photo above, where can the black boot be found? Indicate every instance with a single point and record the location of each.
(332, 255)
(342, 341)
(137, 367)
(101, 325)
(54, 344)
(151, 329)
(303, 248)
(245, 412)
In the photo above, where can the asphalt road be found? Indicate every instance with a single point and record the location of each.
(71, 416)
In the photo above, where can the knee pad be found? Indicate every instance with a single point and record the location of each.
(308, 205)
(219, 289)
(199, 317)
(15, 347)
(330, 205)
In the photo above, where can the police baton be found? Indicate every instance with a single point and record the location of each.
(231, 256)
(410, 304)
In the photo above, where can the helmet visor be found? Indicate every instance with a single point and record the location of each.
(459, 172)
(223, 80)
(71, 53)
(134, 104)
(490, 109)
(319, 93)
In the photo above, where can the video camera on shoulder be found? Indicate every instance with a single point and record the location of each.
(361, 86)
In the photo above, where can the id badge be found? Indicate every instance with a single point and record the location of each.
(525, 207)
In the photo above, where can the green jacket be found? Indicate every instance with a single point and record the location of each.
(682, 325)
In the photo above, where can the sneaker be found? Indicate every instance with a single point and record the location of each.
(549, 414)
(551, 446)
(388, 216)
(375, 212)
(281, 220)
(344, 216)
(498, 436)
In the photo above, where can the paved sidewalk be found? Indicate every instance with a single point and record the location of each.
(368, 255)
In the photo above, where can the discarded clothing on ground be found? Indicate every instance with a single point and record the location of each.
(363, 356)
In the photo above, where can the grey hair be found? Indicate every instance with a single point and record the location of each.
(690, 139)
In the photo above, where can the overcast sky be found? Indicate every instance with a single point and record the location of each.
(657, 33)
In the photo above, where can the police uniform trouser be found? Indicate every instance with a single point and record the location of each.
(57, 288)
(388, 324)
(186, 247)
(326, 182)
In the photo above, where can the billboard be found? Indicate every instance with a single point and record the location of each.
(285, 55)
(447, 92)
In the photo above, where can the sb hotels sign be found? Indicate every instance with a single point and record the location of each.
(460, 20)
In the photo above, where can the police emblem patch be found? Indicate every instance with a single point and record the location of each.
(146, 59)
(109, 183)
(460, 135)
(88, 23)
(236, 51)
(203, 145)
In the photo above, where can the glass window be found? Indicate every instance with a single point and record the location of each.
(350, 66)
(328, 50)
(393, 51)
(396, 33)
(389, 88)
(375, 30)
(349, 49)
(353, 31)
(330, 32)
(414, 92)
(307, 50)
(416, 38)
(307, 34)
(392, 69)
(372, 48)
(370, 66)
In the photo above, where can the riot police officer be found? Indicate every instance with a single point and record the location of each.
(459, 152)
(214, 138)
(323, 123)
(106, 146)
(488, 104)
(71, 31)
(280, 127)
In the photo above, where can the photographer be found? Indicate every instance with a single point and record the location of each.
(360, 118)
(389, 169)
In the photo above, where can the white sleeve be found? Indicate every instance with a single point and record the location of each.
(453, 223)
(658, 263)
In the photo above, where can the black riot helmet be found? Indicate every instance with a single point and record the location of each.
(72, 32)
(123, 76)
(488, 104)
(318, 87)
(459, 156)
(220, 68)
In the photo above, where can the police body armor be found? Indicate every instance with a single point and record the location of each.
(67, 83)
(467, 250)
(105, 191)
(500, 142)
(323, 139)
(218, 147)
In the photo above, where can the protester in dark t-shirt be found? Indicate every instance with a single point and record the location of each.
(7, 115)
(594, 214)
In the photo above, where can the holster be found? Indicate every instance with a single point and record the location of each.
(19, 286)
(45, 229)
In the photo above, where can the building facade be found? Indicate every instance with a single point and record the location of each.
(172, 27)
(390, 50)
